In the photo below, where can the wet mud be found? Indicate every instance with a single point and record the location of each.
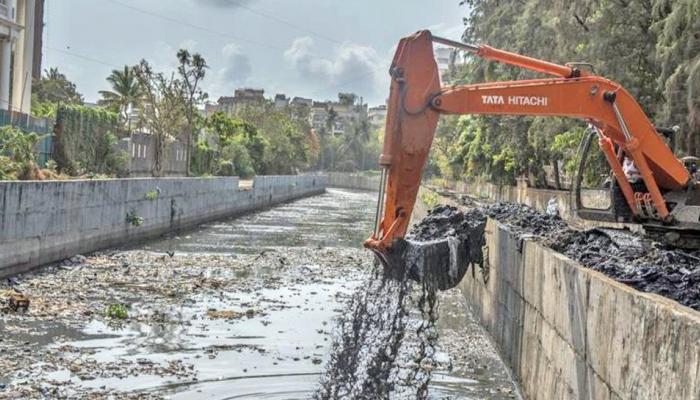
(383, 350)
(380, 351)
(643, 264)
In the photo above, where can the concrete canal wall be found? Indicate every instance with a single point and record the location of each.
(42, 222)
(568, 332)
(353, 181)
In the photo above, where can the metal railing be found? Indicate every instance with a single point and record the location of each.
(27, 123)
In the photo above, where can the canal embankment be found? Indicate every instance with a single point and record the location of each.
(567, 331)
(354, 181)
(47, 221)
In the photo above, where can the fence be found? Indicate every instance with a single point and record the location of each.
(141, 150)
(139, 146)
(27, 123)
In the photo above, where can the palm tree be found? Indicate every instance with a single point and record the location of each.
(126, 93)
(354, 141)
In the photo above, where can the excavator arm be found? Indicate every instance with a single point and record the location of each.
(416, 101)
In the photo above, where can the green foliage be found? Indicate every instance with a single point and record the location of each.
(429, 198)
(17, 152)
(152, 195)
(126, 94)
(283, 139)
(116, 311)
(234, 160)
(85, 141)
(54, 87)
(44, 109)
(357, 148)
(133, 219)
(166, 111)
(650, 47)
(676, 23)
(192, 69)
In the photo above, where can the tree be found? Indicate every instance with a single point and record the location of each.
(242, 146)
(288, 146)
(354, 141)
(678, 55)
(54, 87)
(649, 46)
(126, 93)
(192, 69)
(163, 110)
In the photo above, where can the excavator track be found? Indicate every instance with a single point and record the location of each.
(688, 239)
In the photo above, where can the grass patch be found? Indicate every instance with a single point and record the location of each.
(133, 219)
(429, 198)
(152, 194)
(116, 311)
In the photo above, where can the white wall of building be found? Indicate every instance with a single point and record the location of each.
(16, 37)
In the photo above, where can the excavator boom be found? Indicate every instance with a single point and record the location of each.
(417, 100)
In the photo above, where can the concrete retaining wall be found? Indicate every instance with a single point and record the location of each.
(41, 222)
(571, 333)
(353, 181)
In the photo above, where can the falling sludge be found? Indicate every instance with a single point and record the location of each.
(385, 342)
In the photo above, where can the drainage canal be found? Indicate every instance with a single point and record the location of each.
(245, 308)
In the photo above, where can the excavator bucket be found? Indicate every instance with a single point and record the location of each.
(438, 264)
(439, 250)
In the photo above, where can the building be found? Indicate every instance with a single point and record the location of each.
(318, 115)
(281, 101)
(19, 27)
(346, 110)
(242, 98)
(210, 109)
(377, 116)
(301, 102)
(443, 55)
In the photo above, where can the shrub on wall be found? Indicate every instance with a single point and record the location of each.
(85, 141)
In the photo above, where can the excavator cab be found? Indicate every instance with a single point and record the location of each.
(597, 196)
(594, 194)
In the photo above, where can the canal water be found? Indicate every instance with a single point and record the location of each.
(248, 313)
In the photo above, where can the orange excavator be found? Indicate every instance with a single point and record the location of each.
(668, 206)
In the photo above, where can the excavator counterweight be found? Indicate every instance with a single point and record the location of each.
(417, 100)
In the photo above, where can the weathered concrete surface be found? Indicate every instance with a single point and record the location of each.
(41, 222)
(571, 333)
(353, 181)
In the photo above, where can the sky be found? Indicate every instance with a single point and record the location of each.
(307, 48)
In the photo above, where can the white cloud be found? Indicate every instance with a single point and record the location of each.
(164, 58)
(237, 67)
(442, 29)
(235, 70)
(222, 3)
(354, 68)
(189, 44)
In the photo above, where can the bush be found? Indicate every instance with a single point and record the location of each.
(235, 161)
(116, 311)
(17, 153)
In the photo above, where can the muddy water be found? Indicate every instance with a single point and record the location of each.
(289, 269)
